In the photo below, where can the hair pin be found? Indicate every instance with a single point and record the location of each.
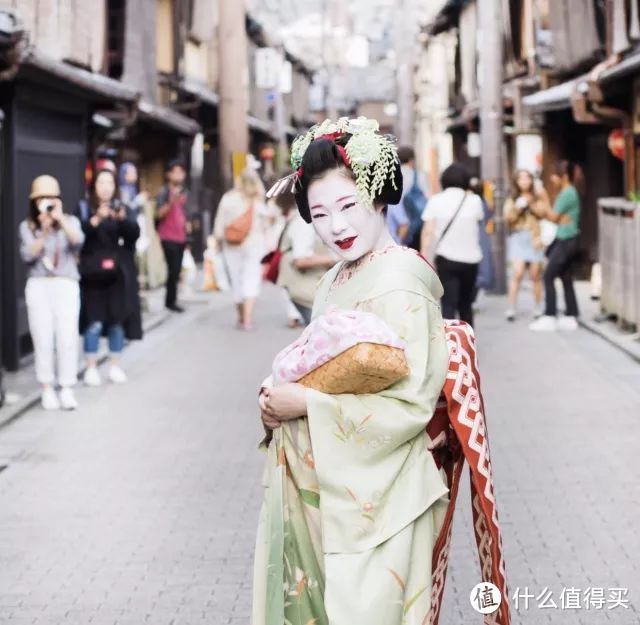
(288, 183)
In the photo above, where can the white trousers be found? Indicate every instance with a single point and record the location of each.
(245, 271)
(53, 308)
(292, 311)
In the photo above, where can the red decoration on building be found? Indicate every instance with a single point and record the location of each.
(616, 143)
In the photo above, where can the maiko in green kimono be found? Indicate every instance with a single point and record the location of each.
(354, 500)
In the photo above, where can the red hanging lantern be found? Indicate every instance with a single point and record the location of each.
(88, 174)
(616, 143)
(267, 153)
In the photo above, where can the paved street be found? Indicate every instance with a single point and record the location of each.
(141, 507)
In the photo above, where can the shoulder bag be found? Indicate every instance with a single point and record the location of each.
(272, 260)
(101, 266)
(238, 230)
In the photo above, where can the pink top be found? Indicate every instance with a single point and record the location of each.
(173, 226)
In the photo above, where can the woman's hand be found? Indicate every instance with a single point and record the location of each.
(56, 211)
(522, 203)
(270, 423)
(103, 211)
(288, 401)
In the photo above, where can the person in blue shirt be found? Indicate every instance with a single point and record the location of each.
(404, 220)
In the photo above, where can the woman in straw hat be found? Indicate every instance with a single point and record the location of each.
(49, 244)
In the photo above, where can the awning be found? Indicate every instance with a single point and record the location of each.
(167, 118)
(446, 18)
(97, 85)
(199, 91)
(554, 98)
(260, 125)
(628, 66)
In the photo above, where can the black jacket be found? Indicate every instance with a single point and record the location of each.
(118, 301)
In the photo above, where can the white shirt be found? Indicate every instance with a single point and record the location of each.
(462, 242)
(303, 238)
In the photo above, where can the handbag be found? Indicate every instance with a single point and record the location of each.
(237, 231)
(271, 261)
(343, 351)
(100, 267)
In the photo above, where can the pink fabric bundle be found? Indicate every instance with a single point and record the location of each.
(346, 349)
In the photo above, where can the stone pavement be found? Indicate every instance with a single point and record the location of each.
(141, 507)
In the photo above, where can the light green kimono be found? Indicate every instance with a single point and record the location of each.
(354, 500)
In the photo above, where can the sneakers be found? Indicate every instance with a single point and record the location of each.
(67, 399)
(510, 314)
(50, 399)
(545, 323)
(92, 377)
(117, 375)
(567, 323)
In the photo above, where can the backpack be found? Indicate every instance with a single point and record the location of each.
(414, 204)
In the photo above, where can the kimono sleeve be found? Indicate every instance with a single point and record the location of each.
(370, 450)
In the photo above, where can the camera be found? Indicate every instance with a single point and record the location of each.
(46, 207)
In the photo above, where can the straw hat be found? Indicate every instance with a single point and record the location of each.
(44, 186)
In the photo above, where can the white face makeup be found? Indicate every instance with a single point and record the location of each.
(345, 226)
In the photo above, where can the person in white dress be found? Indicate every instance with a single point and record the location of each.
(243, 258)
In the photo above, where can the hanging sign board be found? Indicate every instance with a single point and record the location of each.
(286, 77)
(268, 62)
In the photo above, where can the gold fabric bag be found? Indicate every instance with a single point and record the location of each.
(343, 351)
(363, 368)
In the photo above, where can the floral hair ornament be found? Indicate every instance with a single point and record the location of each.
(371, 156)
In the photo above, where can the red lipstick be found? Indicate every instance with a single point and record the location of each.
(345, 244)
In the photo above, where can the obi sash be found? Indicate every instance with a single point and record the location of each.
(458, 433)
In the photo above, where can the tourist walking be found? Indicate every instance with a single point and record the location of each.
(452, 221)
(239, 230)
(172, 224)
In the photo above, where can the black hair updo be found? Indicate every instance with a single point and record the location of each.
(322, 156)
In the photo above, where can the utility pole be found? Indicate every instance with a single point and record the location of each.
(233, 126)
(491, 125)
(279, 119)
(405, 55)
(328, 58)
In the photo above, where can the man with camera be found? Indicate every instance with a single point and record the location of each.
(49, 244)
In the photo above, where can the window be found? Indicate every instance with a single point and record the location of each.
(116, 10)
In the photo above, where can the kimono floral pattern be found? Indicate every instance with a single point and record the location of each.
(339, 541)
